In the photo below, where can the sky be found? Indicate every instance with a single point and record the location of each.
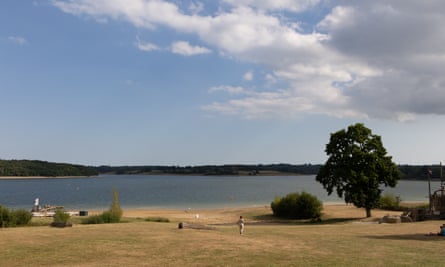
(196, 82)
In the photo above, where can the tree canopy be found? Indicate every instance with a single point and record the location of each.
(43, 168)
(357, 167)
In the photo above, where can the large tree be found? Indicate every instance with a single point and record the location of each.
(357, 167)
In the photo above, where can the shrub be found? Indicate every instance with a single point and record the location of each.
(95, 219)
(389, 202)
(61, 216)
(110, 217)
(297, 206)
(113, 215)
(115, 210)
(4, 217)
(20, 217)
(11, 218)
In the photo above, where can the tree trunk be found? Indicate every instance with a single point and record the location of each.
(368, 212)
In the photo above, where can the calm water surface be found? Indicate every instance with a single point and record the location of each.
(182, 192)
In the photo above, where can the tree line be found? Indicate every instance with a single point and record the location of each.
(407, 172)
(43, 168)
(230, 169)
(49, 169)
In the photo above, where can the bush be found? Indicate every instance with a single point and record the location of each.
(20, 217)
(95, 219)
(115, 210)
(4, 217)
(61, 216)
(297, 206)
(113, 215)
(104, 217)
(389, 202)
(110, 217)
(14, 217)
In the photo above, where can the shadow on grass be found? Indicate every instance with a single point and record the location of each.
(417, 237)
(270, 219)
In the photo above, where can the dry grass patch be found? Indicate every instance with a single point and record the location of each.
(139, 243)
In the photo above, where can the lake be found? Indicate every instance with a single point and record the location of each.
(176, 192)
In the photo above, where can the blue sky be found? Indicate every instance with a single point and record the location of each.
(113, 82)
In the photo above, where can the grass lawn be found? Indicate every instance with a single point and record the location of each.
(344, 238)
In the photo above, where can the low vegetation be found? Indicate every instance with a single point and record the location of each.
(12, 218)
(297, 206)
(61, 218)
(113, 215)
(390, 202)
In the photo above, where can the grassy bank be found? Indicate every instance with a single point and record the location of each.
(343, 239)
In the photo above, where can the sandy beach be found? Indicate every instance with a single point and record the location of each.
(230, 215)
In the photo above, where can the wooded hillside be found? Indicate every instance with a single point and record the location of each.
(43, 168)
(49, 169)
(408, 172)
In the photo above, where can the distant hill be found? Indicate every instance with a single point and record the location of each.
(49, 169)
(408, 172)
(43, 168)
(233, 169)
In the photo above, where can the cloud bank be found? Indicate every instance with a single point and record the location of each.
(359, 59)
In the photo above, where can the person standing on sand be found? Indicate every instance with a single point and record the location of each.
(241, 225)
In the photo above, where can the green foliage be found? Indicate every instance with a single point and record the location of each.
(228, 169)
(113, 215)
(43, 168)
(61, 216)
(390, 202)
(20, 217)
(4, 217)
(297, 206)
(11, 218)
(357, 167)
(110, 217)
(94, 219)
(104, 217)
(115, 210)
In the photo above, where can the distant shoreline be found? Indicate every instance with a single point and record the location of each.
(262, 174)
(41, 177)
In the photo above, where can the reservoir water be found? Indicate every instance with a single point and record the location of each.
(176, 192)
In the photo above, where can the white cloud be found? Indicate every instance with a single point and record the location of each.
(383, 59)
(290, 5)
(141, 13)
(17, 40)
(248, 76)
(145, 46)
(185, 49)
(232, 90)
